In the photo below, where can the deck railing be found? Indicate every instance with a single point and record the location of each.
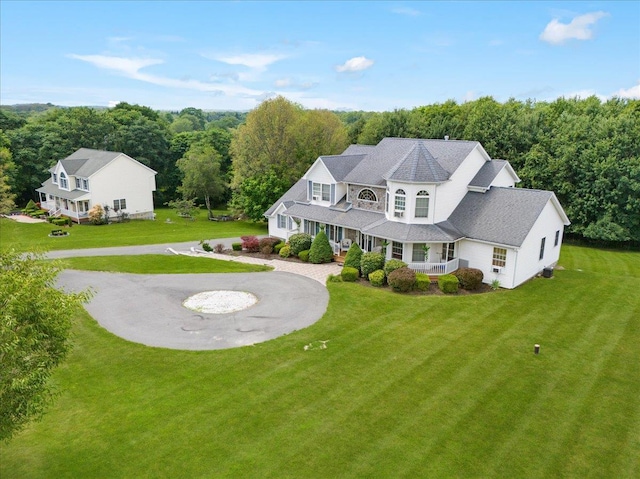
(435, 268)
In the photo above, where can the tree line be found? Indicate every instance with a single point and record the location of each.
(586, 150)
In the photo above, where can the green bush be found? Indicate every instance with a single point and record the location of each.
(423, 281)
(278, 247)
(392, 265)
(299, 242)
(469, 278)
(321, 251)
(354, 255)
(448, 283)
(334, 278)
(31, 206)
(60, 221)
(371, 262)
(285, 251)
(267, 244)
(349, 274)
(402, 280)
(236, 246)
(206, 246)
(304, 255)
(377, 278)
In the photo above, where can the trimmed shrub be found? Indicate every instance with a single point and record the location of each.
(266, 249)
(371, 262)
(448, 283)
(219, 248)
(469, 278)
(304, 255)
(321, 251)
(299, 242)
(354, 255)
(377, 278)
(423, 281)
(334, 278)
(285, 251)
(250, 243)
(236, 246)
(349, 274)
(278, 247)
(402, 280)
(31, 206)
(206, 246)
(392, 265)
(269, 241)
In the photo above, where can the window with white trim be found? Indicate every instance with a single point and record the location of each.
(78, 183)
(119, 204)
(419, 253)
(54, 178)
(367, 195)
(499, 257)
(542, 242)
(557, 240)
(282, 222)
(321, 192)
(396, 250)
(64, 183)
(422, 204)
(400, 203)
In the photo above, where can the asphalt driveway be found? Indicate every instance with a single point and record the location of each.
(148, 309)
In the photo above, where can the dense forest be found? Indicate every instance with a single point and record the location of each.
(586, 150)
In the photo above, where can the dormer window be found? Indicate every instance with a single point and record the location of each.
(400, 203)
(78, 183)
(54, 178)
(367, 195)
(321, 192)
(422, 204)
(64, 183)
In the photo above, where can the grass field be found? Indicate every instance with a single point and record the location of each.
(407, 387)
(35, 235)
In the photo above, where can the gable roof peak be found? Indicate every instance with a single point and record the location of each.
(418, 166)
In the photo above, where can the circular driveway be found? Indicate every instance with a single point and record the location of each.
(148, 309)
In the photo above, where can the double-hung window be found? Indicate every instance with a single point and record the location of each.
(119, 204)
(400, 203)
(321, 192)
(64, 183)
(422, 204)
(282, 222)
(542, 242)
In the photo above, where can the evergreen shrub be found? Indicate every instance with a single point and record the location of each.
(392, 265)
(469, 278)
(299, 242)
(371, 262)
(349, 274)
(448, 283)
(278, 247)
(304, 255)
(321, 251)
(402, 280)
(423, 281)
(354, 255)
(236, 246)
(377, 278)
(285, 251)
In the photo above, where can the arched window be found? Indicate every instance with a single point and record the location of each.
(422, 204)
(63, 181)
(400, 202)
(367, 195)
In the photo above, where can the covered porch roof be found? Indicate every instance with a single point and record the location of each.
(50, 189)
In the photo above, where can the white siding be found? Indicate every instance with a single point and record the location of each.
(480, 256)
(545, 226)
(504, 179)
(126, 179)
(411, 190)
(448, 195)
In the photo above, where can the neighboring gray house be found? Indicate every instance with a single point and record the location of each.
(435, 204)
(90, 177)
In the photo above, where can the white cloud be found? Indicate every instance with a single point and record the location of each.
(355, 64)
(407, 11)
(631, 93)
(255, 61)
(113, 103)
(586, 93)
(579, 28)
(283, 82)
(126, 66)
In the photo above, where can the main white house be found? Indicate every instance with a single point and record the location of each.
(91, 177)
(436, 204)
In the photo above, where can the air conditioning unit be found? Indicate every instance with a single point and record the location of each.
(399, 214)
(316, 198)
(496, 269)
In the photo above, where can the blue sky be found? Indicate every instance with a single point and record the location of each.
(339, 55)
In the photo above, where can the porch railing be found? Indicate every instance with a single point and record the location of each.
(435, 268)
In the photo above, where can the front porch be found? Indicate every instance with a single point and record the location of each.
(77, 210)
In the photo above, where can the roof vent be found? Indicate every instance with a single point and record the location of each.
(446, 137)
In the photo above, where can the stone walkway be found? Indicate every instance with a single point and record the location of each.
(318, 272)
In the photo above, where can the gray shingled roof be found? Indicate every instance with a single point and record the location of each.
(418, 166)
(358, 149)
(85, 161)
(298, 192)
(500, 215)
(340, 165)
(49, 188)
(355, 219)
(487, 173)
(392, 230)
(387, 154)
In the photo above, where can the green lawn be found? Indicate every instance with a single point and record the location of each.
(25, 236)
(407, 387)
